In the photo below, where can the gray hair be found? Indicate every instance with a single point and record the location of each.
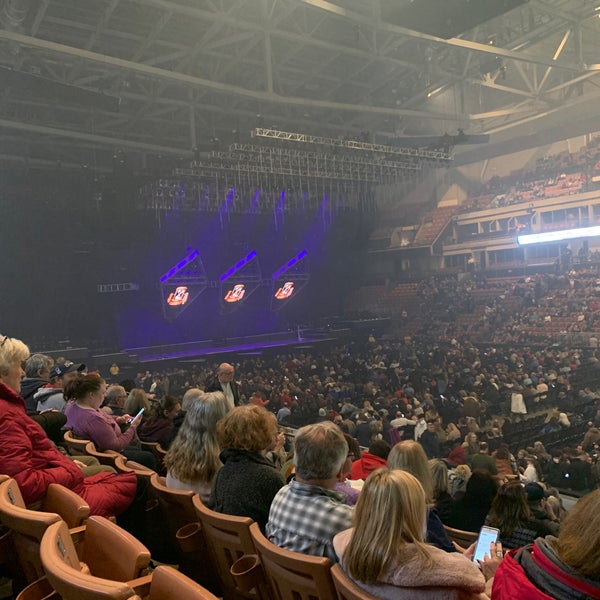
(190, 397)
(37, 363)
(320, 450)
(113, 392)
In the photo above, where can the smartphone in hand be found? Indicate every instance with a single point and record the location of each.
(132, 419)
(487, 536)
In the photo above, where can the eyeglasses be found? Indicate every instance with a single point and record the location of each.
(4, 341)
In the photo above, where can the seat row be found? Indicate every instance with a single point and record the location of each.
(64, 552)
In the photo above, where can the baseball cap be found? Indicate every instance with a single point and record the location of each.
(60, 369)
(534, 491)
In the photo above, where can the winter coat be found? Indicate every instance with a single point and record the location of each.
(451, 576)
(245, 485)
(27, 455)
(536, 572)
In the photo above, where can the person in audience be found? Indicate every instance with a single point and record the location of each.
(158, 424)
(563, 567)
(504, 463)
(51, 396)
(87, 421)
(343, 485)
(370, 460)
(248, 481)
(409, 456)
(308, 512)
(222, 381)
(193, 458)
(27, 455)
(188, 399)
(441, 488)
(483, 461)
(114, 401)
(430, 439)
(136, 400)
(471, 444)
(511, 514)
(470, 508)
(385, 552)
(37, 374)
(540, 508)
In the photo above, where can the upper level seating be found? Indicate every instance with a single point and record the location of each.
(433, 224)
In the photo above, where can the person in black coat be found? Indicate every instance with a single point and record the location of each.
(247, 483)
(222, 381)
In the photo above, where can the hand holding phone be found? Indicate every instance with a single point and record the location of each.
(135, 420)
(487, 536)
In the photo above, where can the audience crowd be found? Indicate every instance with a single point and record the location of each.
(453, 426)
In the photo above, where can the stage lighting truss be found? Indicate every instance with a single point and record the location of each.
(347, 170)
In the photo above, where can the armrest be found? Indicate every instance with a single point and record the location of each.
(141, 585)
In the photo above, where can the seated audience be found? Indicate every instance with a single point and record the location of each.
(470, 508)
(409, 456)
(370, 460)
(482, 460)
(563, 567)
(27, 455)
(37, 374)
(540, 508)
(51, 396)
(193, 458)
(159, 422)
(247, 482)
(511, 514)
(307, 513)
(386, 554)
(441, 488)
(137, 400)
(87, 421)
(114, 401)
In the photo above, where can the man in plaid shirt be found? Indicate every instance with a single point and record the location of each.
(307, 513)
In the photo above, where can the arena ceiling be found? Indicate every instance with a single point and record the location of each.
(85, 81)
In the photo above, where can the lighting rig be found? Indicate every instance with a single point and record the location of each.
(346, 170)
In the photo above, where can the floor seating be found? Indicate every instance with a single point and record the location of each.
(345, 588)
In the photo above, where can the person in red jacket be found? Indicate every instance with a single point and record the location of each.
(27, 455)
(563, 568)
(370, 460)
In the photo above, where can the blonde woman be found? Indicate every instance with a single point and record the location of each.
(193, 457)
(386, 554)
(137, 400)
(409, 456)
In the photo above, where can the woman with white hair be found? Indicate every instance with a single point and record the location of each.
(27, 455)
